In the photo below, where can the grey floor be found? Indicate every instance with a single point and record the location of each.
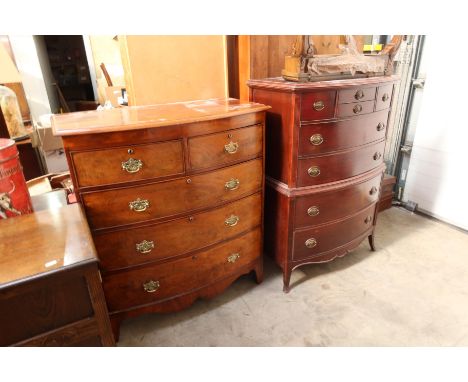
(413, 291)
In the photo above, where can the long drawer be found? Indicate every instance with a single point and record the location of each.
(124, 248)
(143, 203)
(326, 137)
(323, 207)
(163, 281)
(314, 241)
(227, 147)
(128, 163)
(333, 167)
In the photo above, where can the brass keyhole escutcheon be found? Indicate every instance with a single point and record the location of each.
(311, 243)
(316, 139)
(318, 105)
(380, 126)
(130, 151)
(359, 94)
(313, 211)
(151, 286)
(357, 109)
(313, 171)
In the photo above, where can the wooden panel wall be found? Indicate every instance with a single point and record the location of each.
(262, 56)
(161, 69)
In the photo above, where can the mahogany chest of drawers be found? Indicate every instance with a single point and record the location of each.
(324, 164)
(174, 198)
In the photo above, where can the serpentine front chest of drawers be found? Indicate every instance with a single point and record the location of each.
(174, 198)
(324, 165)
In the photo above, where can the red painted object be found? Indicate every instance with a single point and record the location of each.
(14, 195)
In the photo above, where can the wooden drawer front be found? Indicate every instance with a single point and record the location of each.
(120, 249)
(227, 147)
(100, 167)
(333, 136)
(318, 105)
(352, 109)
(333, 167)
(384, 97)
(112, 208)
(163, 281)
(356, 95)
(314, 241)
(323, 207)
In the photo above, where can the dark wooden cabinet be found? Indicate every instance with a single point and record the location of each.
(50, 285)
(174, 197)
(324, 147)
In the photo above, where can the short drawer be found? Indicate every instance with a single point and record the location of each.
(225, 148)
(120, 249)
(318, 105)
(129, 163)
(143, 203)
(160, 282)
(332, 167)
(384, 97)
(357, 95)
(323, 207)
(333, 136)
(352, 109)
(315, 241)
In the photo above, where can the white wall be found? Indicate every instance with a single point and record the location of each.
(29, 67)
(438, 170)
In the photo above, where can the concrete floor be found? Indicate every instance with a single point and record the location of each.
(413, 291)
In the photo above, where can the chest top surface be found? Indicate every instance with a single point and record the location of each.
(141, 117)
(43, 242)
(278, 83)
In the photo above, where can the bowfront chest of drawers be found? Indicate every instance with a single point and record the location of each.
(324, 164)
(174, 198)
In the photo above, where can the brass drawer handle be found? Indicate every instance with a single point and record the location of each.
(316, 139)
(373, 190)
(319, 105)
(311, 243)
(359, 94)
(313, 211)
(139, 205)
(385, 97)
(357, 109)
(145, 246)
(132, 165)
(368, 219)
(231, 147)
(233, 258)
(232, 184)
(151, 286)
(377, 156)
(380, 126)
(232, 220)
(313, 171)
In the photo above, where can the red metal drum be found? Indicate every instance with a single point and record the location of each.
(14, 195)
